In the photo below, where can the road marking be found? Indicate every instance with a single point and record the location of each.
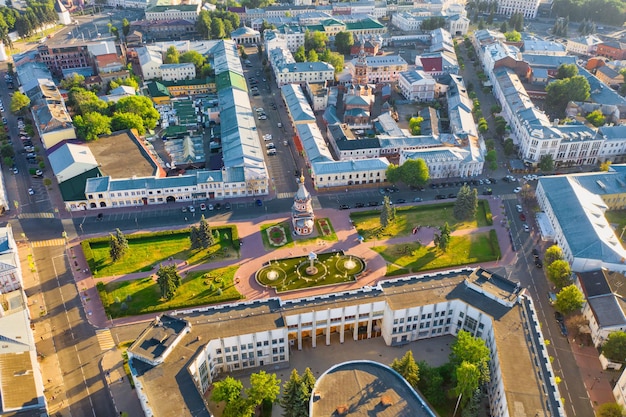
(105, 339)
(47, 243)
(508, 197)
(36, 216)
(284, 195)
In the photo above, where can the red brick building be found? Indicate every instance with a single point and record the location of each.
(612, 49)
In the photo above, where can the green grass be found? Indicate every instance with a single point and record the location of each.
(367, 223)
(617, 218)
(331, 237)
(413, 257)
(197, 288)
(286, 228)
(146, 251)
(330, 271)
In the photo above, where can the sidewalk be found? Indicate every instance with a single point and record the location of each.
(253, 255)
(122, 393)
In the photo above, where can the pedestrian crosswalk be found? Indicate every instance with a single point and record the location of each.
(105, 339)
(47, 243)
(35, 216)
(284, 195)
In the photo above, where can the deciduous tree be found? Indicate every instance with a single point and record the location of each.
(227, 390)
(91, 125)
(344, 42)
(610, 410)
(141, 106)
(546, 163)
(569, 299)
(559, 273)
(467, 348)
(300, 54)
(171, 56)
(414, 172)
(123, 121)
(614, 348)
(19, 103)
(263, 387)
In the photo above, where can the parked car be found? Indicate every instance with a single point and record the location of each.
(440, 197)
(563, 328)
(192, 209)
(451, 195)
(359, 205)
(517, 190)
(519, 208)
(522, 217)
(535, 253)
(558, 316)
(417, 199)
(31, 191)
(373, 203)
(344, 207)
(538, 263)
(400, 201)
(202, 207)
(526, 228)
(218, 206)
(211, 208)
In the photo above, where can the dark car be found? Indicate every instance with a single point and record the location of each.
(359, 205)
(440, 197)
(259, 203)
(538, 263)
(227, 206)
(488, 191)
(563, 328)
(451, 195)
(522, 217)
(218, 206)
(559, 317)
(493, 180)
(400, 201)
(344, 207)
(373, 203)
(535, 253)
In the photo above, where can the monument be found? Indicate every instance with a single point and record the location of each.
(302, 216)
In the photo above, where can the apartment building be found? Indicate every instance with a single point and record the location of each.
(173, 12)
(416, 85)
(177, 72)
(62, 58)
(527, 8)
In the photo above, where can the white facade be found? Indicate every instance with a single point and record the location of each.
(177, 72)
(10, 267)
(174, 12)
(288, 71)
(409, 22)
(150, 62)
(417, 85)
(133, 4)
(583, 45)
(528, 8)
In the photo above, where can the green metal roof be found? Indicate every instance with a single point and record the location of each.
(364, 24)
(231, 79)
(74, 188)
(194, 81)
(157, 89)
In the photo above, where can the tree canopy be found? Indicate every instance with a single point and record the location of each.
(201, 236)
(118, 245)
(513, 36)
(263, 387)
(553, 253)
(91, 125)
(141, 106)
(610, 410)
(297, 393)
(227, 390)
(171, 56)
(470, 349)
(123, 121)
(407, 367)
(561, 92)
(559, 273)
(546, 163)
(168, 280)
(614, 348)
(566, 71)
(466, 203)
(596, 118)
(388, 213)
(415, 124)
(610, 12)
(19, 102)
(569, 299)
(344, 42)
(413, 172)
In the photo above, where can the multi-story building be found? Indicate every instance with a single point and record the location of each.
(133, 4)
(287, 70)
(583, 45)
(164, 30)
(245, 36)
(380, 69)
(10, 267)
(527, 8)
(150, 62)
(416, 85)
(612, 49)
(574, 206)
(52, 120)
(173, 12)
(247, 335)
(293, 36)
(409, 22)
(177, 72)
(61, 58)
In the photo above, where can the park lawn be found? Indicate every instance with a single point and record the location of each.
(286, 225)
(146, 251)
(466, 249)
(197, 288)
(617, 219)
(326, 233)
(367, 223)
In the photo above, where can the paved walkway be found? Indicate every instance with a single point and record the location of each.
(253, 255)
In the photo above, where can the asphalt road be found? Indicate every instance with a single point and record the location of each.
(76, 347)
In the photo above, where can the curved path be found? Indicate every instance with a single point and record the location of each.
(253, 255)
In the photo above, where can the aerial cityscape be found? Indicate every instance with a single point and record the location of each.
(355, 208)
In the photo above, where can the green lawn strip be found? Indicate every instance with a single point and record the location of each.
(197, 288)
(367, 223)
(617, 218)
(286, 225)
(467, 249)
(147, 250)
(289, 280)
(331, 237)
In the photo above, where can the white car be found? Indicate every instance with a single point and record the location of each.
(211, 208)
(526, 228)
(267, 137)
(259, 110)
(31, 191)
(519, 208)
(517, 190)
(192, 209)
